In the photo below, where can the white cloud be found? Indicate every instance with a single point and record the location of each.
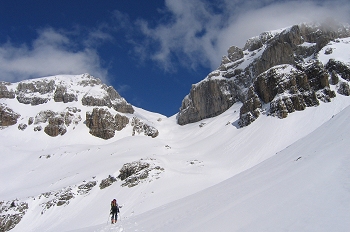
(199, 32)
(51, 53)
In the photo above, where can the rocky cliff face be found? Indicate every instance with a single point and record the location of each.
(287, 70)
(208, 99)
(58, 104)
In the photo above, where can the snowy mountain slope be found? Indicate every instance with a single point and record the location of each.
(304, 187)
(196, 156)
(211, 175)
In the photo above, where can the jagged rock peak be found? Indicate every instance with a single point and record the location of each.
(66, 88)
(253, 74)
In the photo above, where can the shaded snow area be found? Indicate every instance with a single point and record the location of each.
(276, 174)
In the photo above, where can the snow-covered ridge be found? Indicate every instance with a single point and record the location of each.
(62, 104)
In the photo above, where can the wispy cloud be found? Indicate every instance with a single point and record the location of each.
(199, 32)
(121, 89)
(52, 52)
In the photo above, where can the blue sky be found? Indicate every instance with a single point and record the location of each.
(150, 51)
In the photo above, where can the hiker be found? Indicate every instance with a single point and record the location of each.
(114, 211)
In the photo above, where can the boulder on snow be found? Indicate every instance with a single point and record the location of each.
(343, 88)
(141, 127)
(107, 182)
(4, 92)
(11, 213)
(86, 187)
(138, 171)
(7, 116)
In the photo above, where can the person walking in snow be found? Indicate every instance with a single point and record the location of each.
(114, 211)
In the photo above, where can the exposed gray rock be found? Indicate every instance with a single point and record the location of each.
(112, 93)
(111, 99)
(89, 80)
(56, 126)
(22, 126)
(257, 42)
(56, 198)
(235, 53)
(121, 122)
(129, 169)
(123, 107)
(244, 68)
(344, 88)
(101, 123)
(86, 187)
(7, 116)
(11, 213)
(339, 68)
(57, 121)
(276, 53)
(287, 89)
(32, 100)
(4, 92)
(26, 91)
(135, 172)
(64, 197)
(317, 75)
(207, 99)
(38, 128)
(30, 120)
(334, 78)
(250, 109)
(40, 86)
(107, 182)
(141, 127)
(328, 51)
(61, 95)
(43, 116)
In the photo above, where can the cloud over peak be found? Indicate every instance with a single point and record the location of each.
(52, 52)
(199, 32)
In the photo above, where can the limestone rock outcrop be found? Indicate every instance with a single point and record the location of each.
(141, 127)
(111, 99)
(207, 99)
(134, 173)
(279, 68)
(35, 92)
(101, 123)
(4, 92)
(45, 98)
(62, 95)
(56, 122)
(11, 213)
(7, 116)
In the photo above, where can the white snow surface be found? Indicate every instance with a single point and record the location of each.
(274, 175)
(340, 51)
